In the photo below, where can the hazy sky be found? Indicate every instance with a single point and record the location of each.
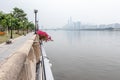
(55, 13)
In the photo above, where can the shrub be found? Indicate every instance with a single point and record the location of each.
(2, 33)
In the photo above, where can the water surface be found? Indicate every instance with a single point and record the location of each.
(85, 55)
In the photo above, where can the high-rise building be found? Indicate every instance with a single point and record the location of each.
(77, 25)
(72, 25)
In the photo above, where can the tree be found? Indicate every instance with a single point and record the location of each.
(1, 17)
(6, 21)
(19, 15)
(31, 26)
(2, 20)
(16, 20)
(24, 25)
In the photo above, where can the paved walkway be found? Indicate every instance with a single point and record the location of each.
(8, 49)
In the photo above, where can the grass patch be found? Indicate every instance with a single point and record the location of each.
(4, 38)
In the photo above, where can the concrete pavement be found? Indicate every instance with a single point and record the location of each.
(7, 50)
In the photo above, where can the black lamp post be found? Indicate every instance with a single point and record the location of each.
(35, 11)
(23, 26)
(27, 27)
(11, 36)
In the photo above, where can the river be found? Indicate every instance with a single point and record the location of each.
(84, 55)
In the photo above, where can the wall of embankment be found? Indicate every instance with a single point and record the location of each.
(22, 64)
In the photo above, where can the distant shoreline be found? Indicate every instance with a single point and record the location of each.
(106, 29)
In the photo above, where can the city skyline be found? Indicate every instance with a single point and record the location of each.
(77, 25)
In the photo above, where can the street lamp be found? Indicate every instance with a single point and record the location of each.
(11, 36)
(35, 11)
(23, 26)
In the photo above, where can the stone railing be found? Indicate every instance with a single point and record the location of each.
(22, 64)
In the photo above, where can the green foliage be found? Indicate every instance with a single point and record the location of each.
(31, 26)
(2, 19)
(16, 20)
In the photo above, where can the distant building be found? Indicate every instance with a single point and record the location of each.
(72, 25)
(77, 25)
(116, 25)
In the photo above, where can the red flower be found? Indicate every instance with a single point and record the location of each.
(44, 36)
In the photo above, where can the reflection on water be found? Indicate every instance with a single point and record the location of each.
(73, 36)
(85, 55)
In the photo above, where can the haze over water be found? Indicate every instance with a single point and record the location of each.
(55, 13)
(84, 55)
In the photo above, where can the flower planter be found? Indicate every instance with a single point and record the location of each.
(43, 36)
